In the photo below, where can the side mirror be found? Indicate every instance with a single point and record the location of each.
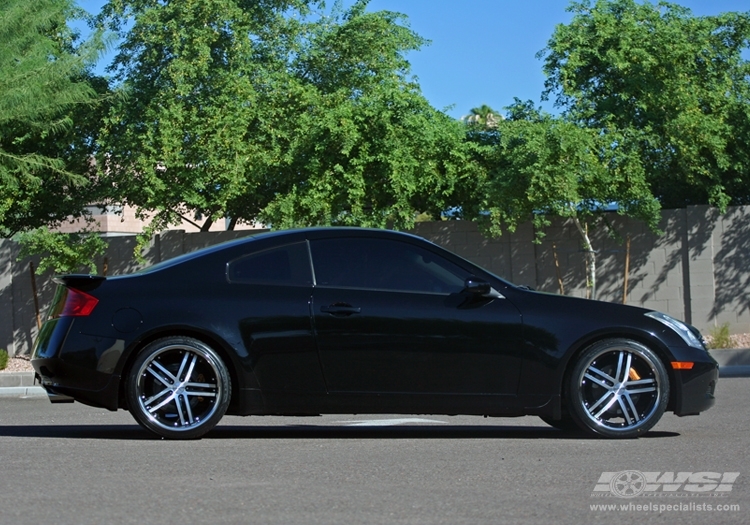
(477, 286)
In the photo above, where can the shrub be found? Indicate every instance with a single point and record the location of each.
(720, 337)
(3, 359)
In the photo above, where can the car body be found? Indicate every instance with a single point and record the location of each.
(350, 320)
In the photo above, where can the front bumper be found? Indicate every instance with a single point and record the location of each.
(695, 388)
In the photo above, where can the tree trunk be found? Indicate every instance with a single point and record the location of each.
(590, 257)
(207, 225)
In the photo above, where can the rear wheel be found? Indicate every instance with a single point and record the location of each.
(618, 388)
(178, 388)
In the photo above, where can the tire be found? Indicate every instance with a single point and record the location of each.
(178, 388)
(618, 388)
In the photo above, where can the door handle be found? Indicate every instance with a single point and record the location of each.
(340, 309)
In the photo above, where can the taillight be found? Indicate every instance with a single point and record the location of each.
(74, 303)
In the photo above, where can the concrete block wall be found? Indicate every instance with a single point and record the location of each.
(695, 270)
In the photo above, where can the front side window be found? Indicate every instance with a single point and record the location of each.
(382, 264)
(286, 265)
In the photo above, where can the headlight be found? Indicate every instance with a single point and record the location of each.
(678, 326)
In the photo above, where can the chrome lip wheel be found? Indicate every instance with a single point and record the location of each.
(178, 387)
(617, 388)
(620, 389)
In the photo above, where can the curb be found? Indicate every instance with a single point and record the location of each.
(732, 363)
(22, 392)
(11, 379)
(20, 385)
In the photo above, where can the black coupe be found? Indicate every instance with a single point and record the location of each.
(347, 320)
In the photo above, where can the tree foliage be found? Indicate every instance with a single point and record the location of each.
(44, 89)
(677, 84)
(655, 113)
(537, 165)
(278, 111)
(549, 166)
(62, 252)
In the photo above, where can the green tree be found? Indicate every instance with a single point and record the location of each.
(536, 166)
(63, 252)
(676, 83)
(44, 87)
(365, 148)
(193, 130)
(272, 111)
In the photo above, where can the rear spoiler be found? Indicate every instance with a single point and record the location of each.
(84, 282)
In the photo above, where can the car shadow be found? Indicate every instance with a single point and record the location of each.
(134, 432)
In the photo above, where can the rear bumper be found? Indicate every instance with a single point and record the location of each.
(49, 373)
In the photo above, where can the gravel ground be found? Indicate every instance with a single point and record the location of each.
(18, 364)
(741, 340)
(22, 364)
(738, 340)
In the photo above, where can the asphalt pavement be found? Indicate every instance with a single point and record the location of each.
(73, 464)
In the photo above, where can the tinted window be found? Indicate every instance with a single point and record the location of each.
(383, 265)
(286, 265)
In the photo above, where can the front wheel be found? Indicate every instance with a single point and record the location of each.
(178, 388)
(618, 389)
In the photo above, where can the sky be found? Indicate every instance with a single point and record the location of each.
(484, 51)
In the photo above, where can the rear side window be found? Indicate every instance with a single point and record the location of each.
(285, 265)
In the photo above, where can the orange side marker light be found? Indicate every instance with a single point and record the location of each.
(682, 365)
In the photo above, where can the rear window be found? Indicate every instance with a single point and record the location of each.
(285, 265)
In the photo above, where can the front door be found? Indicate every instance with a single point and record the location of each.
(391, 317)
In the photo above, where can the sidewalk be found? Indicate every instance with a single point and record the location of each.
(732, 363)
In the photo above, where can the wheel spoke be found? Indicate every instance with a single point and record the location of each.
(167, 400)
(641, 390)
(182, 365)
(178, 404)
(604, 375)
(633, 410)
(646, 385)
(157, 396)
(623, 371)
(200, 385)
(163, 371)
(624, 410)
(607, 406)
(200, 393)
(190, 369)
(187, 407)
(601, 400)
(597, 381)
